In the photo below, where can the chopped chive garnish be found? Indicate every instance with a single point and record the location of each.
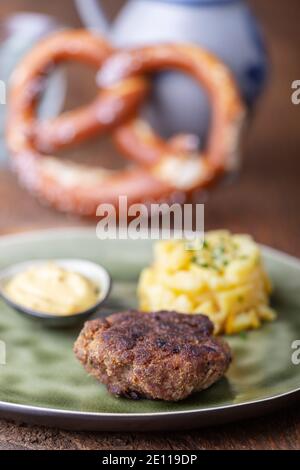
(243, 335)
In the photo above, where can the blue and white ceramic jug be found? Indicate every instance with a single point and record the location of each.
(225, 27)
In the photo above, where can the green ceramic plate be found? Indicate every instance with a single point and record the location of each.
(42, 382)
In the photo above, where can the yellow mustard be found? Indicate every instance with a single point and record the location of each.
(49, 288)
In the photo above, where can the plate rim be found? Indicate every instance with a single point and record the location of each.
(60, 412)
(8, 406)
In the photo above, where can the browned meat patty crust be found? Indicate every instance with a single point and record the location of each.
(163, 355)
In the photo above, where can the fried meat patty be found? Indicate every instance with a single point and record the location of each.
(162, 355)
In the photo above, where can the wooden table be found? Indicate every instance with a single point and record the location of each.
(263, 201)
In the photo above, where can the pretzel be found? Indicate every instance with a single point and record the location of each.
(108, 109)
(177, 162)
(170, 172)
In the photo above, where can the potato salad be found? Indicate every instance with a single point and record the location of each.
(224, 279)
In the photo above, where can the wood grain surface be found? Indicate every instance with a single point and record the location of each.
(263, 200)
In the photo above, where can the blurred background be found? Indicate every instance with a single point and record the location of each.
(262, 199)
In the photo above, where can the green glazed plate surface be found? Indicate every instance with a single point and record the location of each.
(42, 381)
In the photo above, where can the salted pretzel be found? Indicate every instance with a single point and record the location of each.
(172, 170)
(108, 108)
(177, 162)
